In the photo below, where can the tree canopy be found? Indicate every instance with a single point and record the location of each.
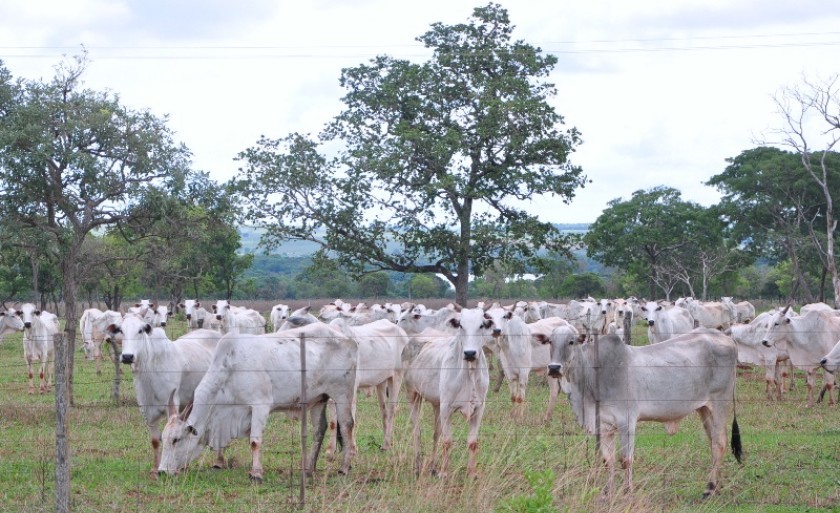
(433, 160)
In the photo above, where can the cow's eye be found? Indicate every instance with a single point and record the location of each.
(175, 441)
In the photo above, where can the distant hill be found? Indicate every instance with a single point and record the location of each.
(299, 248)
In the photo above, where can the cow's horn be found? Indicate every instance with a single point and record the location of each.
(171, 408)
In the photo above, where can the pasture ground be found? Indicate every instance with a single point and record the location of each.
(792, 458)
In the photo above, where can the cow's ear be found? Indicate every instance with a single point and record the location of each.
(541, 338)
(147, 328)
(581, 338)
(509, 315)
(455, 323)
(180, 305)
(37, 312)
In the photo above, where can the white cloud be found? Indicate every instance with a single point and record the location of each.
(663, 92)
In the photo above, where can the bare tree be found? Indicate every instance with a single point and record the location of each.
(810, 114)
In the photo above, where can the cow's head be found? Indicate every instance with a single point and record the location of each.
(473, 325)
(564, 341)
(135, 331)
(181, 443)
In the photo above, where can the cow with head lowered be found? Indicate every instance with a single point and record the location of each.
(662, 382)
(254, 375)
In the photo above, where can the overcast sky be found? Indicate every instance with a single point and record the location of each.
(662, 91)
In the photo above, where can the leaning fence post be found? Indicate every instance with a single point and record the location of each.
(62, 453)
(303, 425)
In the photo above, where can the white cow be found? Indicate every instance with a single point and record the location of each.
(279, 314)
(161, 367)
(380, 344)
(10, 322)
(236, 319)
(662, 382)
(519, 354)
(254, 375)
(416, 320)
(741, 312)
(93, 326)
(160, 315)
(39, 329)
(665, 322)
(710, 314)
(752, 352)
(807, 338)
(831, 361)
(450, 373)
(197, 316)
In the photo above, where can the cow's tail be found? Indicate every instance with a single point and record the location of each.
(735, 439)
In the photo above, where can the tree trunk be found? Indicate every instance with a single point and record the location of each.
(71, 316)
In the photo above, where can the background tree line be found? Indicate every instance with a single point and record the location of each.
(411, 190)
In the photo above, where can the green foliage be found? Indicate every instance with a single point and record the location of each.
(541, 498)
(415, 139)
(582, 285)
(374, 285)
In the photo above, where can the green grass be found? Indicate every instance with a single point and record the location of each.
(792, 458)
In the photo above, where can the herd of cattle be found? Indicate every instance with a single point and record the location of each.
(223, 378)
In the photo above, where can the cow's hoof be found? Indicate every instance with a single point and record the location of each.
(256, 479)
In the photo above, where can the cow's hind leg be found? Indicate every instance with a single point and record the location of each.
(318, 417)
(416, 401)
(715, 426)
(345, 408)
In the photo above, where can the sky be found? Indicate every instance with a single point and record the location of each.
(663, 92)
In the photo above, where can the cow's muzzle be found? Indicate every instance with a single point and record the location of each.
(554, 370)
(470, 356)
(27, 325)
(128, 359)
(650, 323)
(189, 316)
(824, 365)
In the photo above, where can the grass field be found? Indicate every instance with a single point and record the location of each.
(792, 458)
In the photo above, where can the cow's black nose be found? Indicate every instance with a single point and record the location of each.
(554, 370)
(824, 361)
(128, 358)
(650, 323)
(27, 325)
(469, 356)
(189, 316)
(765, 343)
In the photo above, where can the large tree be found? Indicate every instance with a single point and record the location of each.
(774, 209)
(435, 160)
(639, 234)
(74, 160)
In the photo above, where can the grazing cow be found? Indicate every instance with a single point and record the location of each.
(380, 346)
(807, 338)
(254, 375)
(663, 382)
(831, 361)
(196, 314)
(279, 314)
(816, 307)
(450, 373)
(666, 322)
(740, 312)
(161, 367)
(237, 319)
(39, 327)
(93, 326)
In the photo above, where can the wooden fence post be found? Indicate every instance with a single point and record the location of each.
(62, 454)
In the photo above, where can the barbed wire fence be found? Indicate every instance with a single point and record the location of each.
(288, 456)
